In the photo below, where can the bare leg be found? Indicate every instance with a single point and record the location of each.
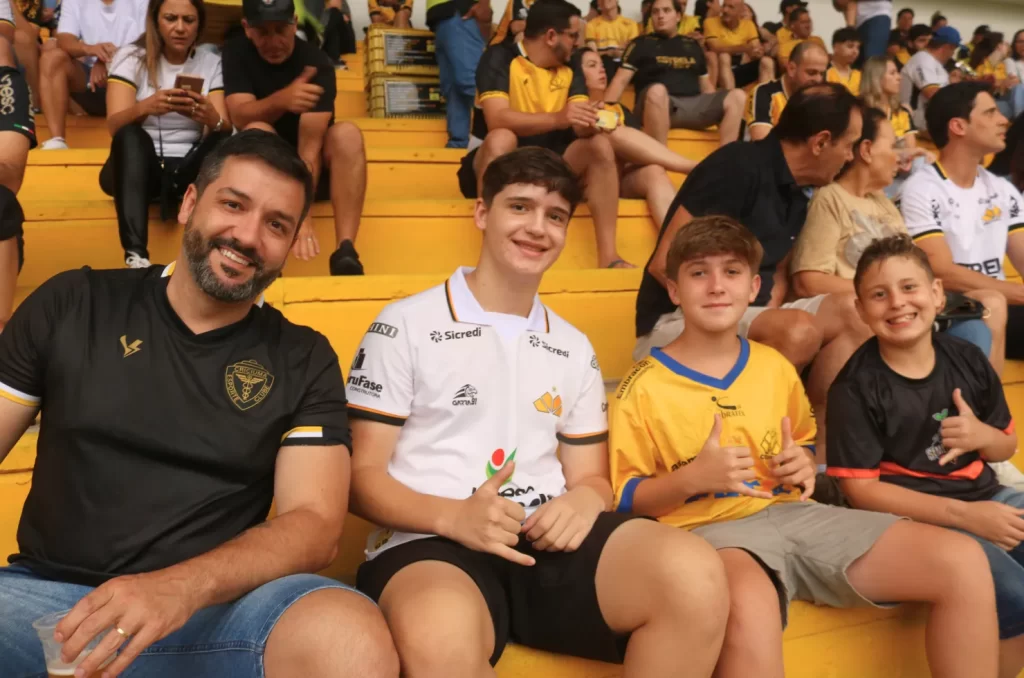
(331, 633)
(26, 45)
(753, 636)
(766, 70)
(440, 622)
(995, 303)
(791, 332)
(924, 563)
(712, 64)
(402, 19)
(678, 584)
(59, 76)
(653, 185)
(726, 78)
(345, 154)
(1011, 657)
(8, 278)
(635, 147)
(729, 128)
(498, 143)
(656, 118)
(594, 159)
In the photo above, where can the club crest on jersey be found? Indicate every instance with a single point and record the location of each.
(549, 404)
(498, 461)
(248, 383)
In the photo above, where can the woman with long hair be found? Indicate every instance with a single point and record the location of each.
(990, 61)
(165, 111)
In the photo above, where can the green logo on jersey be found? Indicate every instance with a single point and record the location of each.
(939, 416)
(498, 461)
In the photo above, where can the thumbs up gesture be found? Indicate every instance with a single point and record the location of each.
(302, 95)
(723, 469)
(963, 433)
(490, 523)
(793, 465)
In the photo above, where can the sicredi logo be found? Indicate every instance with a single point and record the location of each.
(364, 385)
(537, 342)
(437, 337)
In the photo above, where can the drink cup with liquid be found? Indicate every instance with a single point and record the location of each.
(55, 667)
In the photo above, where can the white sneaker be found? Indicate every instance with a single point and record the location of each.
(1008, 475)
(54, 144)
(133, 260)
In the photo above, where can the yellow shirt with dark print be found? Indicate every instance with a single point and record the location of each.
(786, 48)
(745, 32)
(851, 83)
(388, 13)
(611, 34)
(902, 122)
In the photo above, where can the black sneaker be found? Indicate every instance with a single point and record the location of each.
(345, 260)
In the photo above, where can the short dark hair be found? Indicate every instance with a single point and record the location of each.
(710, 235)
(873, 119)
(549, 14)
(936, 18)
(845, 34)
(797, 13)
(535, 166)
(825, 107)
(918, 30)
(983, 29)
(952, 101)
(266, 147)
(905, 10)
(883, 249)
(797, 55)
(895, 37)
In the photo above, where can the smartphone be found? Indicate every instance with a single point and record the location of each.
(607, 119)
(189, 83)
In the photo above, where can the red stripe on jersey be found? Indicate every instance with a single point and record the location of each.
(969, 472)
(1011, 428)
(859, 473)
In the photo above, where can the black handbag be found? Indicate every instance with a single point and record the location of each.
(959, 308)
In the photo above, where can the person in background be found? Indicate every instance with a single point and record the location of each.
(768, 40)
(904, 22)
(938, 21)
(513, 21)
(673, 87)
(736, 44)
(897, 48)
(692, 27)
(339, 37)
(979, 34)
(161, 131)
(801, 31)
(873, 19)
(397, 13)
(461, 29)
(786, 8)
(88, 35)
(609, 33)
(990, 60)
(807, 66)
(925, 73)
(919, 37)
(30, 16)
(845, 52)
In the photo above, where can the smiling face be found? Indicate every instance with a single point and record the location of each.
(593, 71)
(239, 232)
(274, 40)
(898, 301)
(178, 24)
(714, 291)
(524, 228)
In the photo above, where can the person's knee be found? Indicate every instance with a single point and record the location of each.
(656, 95)
(500, 141)
(995, 303)
(797, 337)
(261, 126)
(690, 580)
(51, 61)
(129, 136)
(735, 100)
(346, 140)
(429, 647)
(600, 149)
(846, 303)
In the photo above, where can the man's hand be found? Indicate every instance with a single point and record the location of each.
(103, 51)
(490, 523)
(564, 522)
(698, 36)
(963, 433)
(146, 607)
(1000, 524)
(723, 469)
(581, 113)
(481, 11)
(793, 466)
(301, 96)
(98, 76)
(306, 245)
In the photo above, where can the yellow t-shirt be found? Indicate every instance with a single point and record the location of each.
(902, 122)
(783, 35)
(388, 13)
(666, 410)
(786, 48)
(611, 34)
(688, 24)
(903, 56)
(852, 83)
(743, 34)
(987, 70)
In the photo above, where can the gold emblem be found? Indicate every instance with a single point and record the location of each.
(247, 383)
(132, 348)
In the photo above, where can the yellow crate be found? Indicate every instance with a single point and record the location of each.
(394, 96)
(399, 51)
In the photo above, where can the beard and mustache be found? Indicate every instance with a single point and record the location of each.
(197, 253)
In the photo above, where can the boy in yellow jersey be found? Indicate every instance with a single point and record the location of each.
(609, 33)
(744, 486)
(845, 50)
(395, 13)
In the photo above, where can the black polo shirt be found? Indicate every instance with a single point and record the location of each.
(677, 63)
(156, 444)
(751, 182)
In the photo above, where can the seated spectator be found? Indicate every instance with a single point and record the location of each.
(17, 137)
(512, 23)
(397, 13)
(917, 415)
(88, 35)
(714, 435)
(845, 51)
(991, 63)
(29, 17)
(7, 24)
(279, 84)
(553, 112)
(920, 36)
(782, 31)
(925, 73)
(896, 49)
(192, 562)
(768, 41)
(690, 24)
(419, 471)
(802, 29)
(642, 161)
(806, 67)
(964, 217)
(609, 33)
(736, 43)
(673, 89)
(161, 131)
(848, 214)
(938, 21)
(979, 34)
(327, 23)
(904, 22)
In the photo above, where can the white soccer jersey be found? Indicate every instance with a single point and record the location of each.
(95, 22)
(469, 401)
(976, 221)
(6, 15)
(923, 70)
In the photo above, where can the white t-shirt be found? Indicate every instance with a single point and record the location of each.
(468, 401)
(975, 221)
(869, 9)
(176, 132)
(6, 15)
(923, 70)
(94, 22)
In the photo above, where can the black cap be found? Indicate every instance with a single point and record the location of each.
(261, 11)
(786, 5)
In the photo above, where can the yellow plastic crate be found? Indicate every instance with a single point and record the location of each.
(395, 96)
(400, 51)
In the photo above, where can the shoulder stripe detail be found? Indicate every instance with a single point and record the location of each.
(122, 81)
(216, 89)
(448, 300)
(857, 473)
(20, 397)
(1016, 227)
(5, 20)
(939, 169)
(582, 438)
(579, 97)
(628, 492)
(929, 234)
(303, 432)
(358, 412)
(759, 122)
(493, 94)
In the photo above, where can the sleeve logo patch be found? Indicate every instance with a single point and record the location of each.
(388, 331)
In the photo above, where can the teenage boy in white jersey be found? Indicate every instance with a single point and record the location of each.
(480, 434)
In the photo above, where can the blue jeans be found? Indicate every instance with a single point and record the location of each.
(459, 47)
(974, 331)
(223, 641)
(874, 37)
(1011, 104)
(1007, 573)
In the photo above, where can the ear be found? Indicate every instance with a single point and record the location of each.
(480, 211)
(188, 204)
(673, 291)
(958, 127)
(939, 295)
(755, 287)
(860, 309)
(820, 141)
(865, 150)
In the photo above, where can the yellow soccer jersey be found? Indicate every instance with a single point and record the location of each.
(688, 24)
(851, 83)
(665, 411)
(611, 34)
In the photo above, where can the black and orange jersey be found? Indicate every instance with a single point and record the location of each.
(677, 63)
(902, 121)
(765, 105)
(505, 71)
(515, 10)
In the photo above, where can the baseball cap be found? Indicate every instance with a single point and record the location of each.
(786, 5)
(260, 11)
(947, 35)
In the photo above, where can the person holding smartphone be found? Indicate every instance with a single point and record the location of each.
(165, 110)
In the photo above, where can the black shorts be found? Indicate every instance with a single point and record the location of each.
(747, 73)
(467, 175)
(11, 219)
(323, 185)
(15, 105)
(551, 606)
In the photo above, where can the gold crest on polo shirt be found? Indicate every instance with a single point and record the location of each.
(248, 383)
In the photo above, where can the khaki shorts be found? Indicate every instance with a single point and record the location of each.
(697, 112)
(806, 548)
(670, 325)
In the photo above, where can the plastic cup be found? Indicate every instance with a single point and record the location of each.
(55, 667)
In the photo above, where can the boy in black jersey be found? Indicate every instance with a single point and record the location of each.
(912, 419)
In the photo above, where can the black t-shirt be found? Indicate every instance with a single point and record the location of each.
(245, 72)
(881, 424)
(751, 182)
(156, 445)
(677, 62)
